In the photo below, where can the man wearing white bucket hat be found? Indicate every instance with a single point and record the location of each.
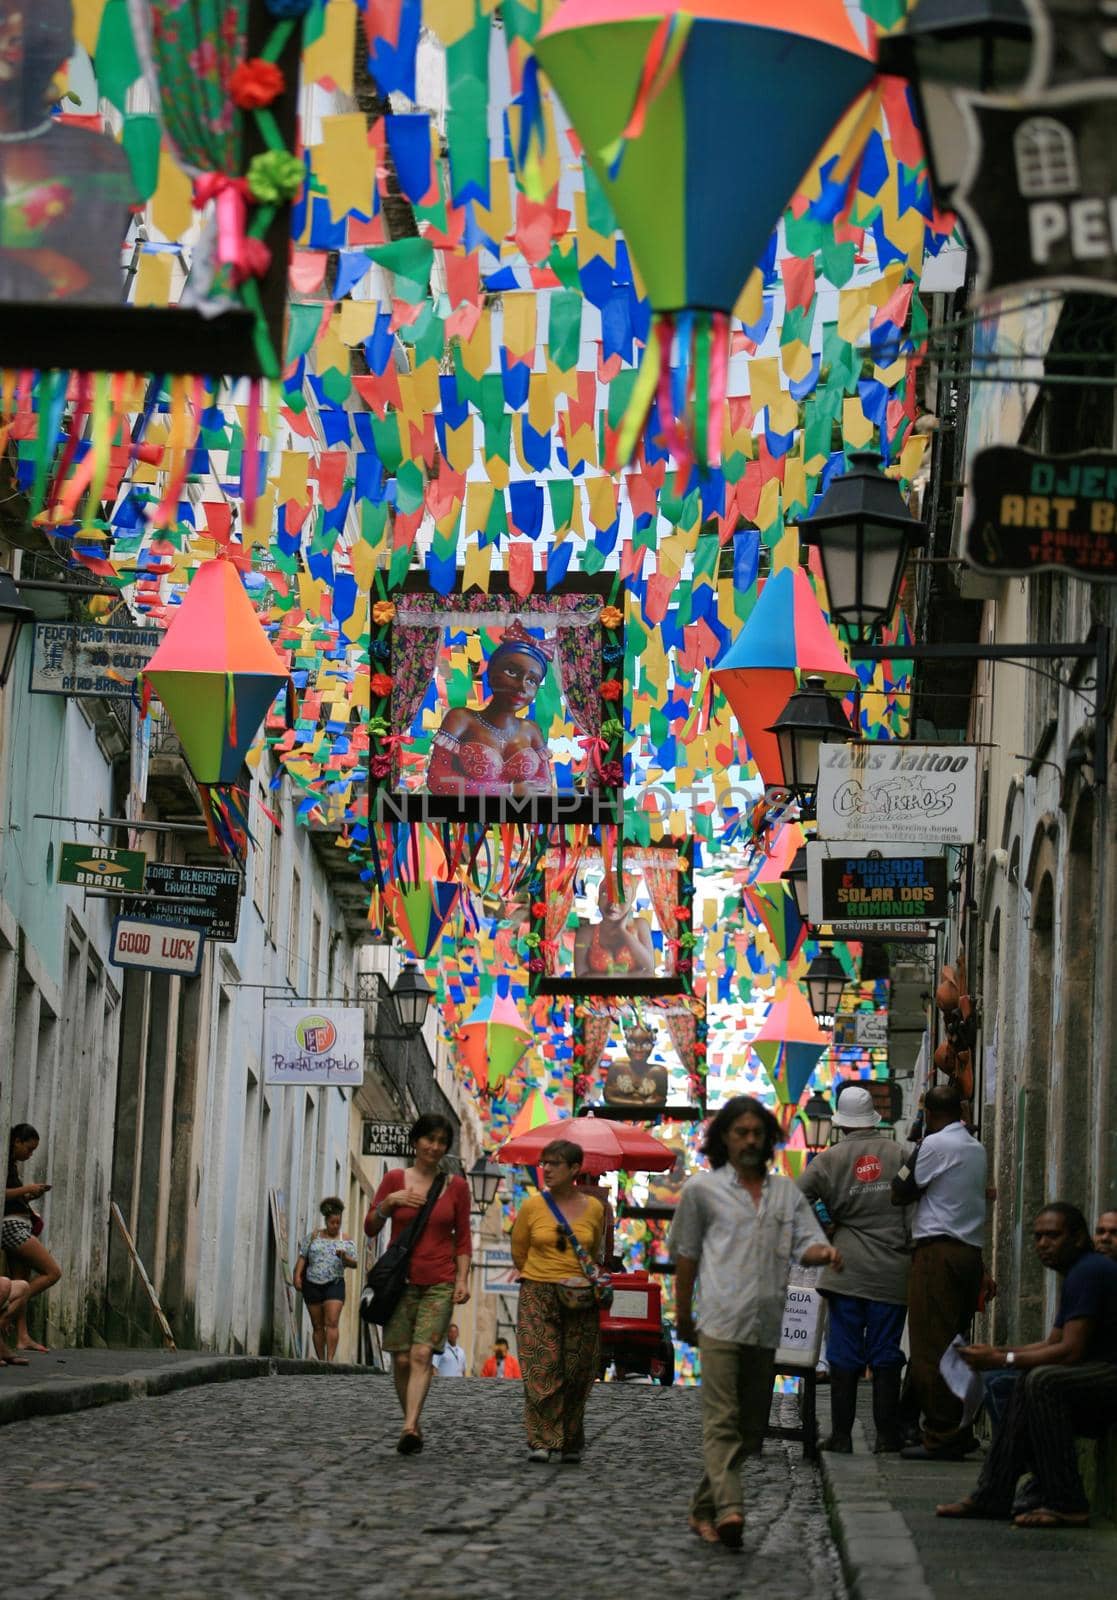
(868, 1303)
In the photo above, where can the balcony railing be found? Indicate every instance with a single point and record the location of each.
(407, 1065)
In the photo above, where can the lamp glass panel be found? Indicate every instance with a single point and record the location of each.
(947, 136)
(9, 638)
(970, 61)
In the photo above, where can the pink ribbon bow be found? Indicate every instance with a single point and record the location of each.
(244, 256)
(594, 749)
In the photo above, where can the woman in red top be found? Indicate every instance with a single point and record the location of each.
(437, 1270)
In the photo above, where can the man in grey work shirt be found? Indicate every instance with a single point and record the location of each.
(868, 1304)
(737, 1231)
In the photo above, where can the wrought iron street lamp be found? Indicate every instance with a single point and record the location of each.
(865, 534)
(817, 1118)
(13, 615)
(810, 719)
(796, 876)
(484, 1181)
(412, 995)
(980, 45)
(826, 978)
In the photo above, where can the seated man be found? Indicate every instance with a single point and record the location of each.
(1105, 1235)
(1067, 1387)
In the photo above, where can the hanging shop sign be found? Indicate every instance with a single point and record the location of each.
(98, 866)
(499, 1271)
(801, 1332)
(877, 885)
(314, 1044)
(898, 793)
(861, 1030)
(386, 1139)
(156, 946)
(68, 658)
(1033, 513)
(201, 897)
(1040, 198)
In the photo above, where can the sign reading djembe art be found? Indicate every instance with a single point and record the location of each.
(877, 884)
(1034, 513)
(499, 707)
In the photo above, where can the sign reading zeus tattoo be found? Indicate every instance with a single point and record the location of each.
(898, 793)
(881, 884)
(1035, 513)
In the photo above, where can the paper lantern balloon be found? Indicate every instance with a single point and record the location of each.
(216, 673)
(492, 1041)
(420, 911)
(699, 120)
(789, 1043)
(785, 638)
(532, 1114)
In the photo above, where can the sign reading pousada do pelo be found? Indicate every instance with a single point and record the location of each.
(314, 1044)
(1033, 513)
(898, 793)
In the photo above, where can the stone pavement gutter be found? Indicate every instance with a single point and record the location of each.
(882, 1516)
(75, 1380)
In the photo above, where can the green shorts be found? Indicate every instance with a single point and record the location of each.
(423, 1316)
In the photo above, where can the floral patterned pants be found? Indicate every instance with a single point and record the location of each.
(558, 1357)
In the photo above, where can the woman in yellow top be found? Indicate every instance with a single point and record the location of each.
(557, 1330)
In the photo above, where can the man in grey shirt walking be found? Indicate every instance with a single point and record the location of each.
(736, 1232)
(868, 1304)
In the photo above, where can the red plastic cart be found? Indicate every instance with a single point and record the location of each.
(633, 1337)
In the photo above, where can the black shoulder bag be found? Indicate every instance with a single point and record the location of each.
(387, 1277)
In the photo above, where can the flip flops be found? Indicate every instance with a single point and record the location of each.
(409, 1443)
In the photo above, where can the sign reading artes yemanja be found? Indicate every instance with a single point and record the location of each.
(1033, 513)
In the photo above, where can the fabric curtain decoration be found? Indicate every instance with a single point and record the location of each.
(579, 671)
(194, 47)
(414, 659)
(559, 901)
(663, 886)
(595, 1036)
(681, 1029)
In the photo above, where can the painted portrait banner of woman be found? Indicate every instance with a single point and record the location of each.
(78, 165)
(641, 1060)
(496, 709)
(618, 928)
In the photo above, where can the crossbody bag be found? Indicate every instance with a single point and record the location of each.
(598, 1290)
(387, 1277)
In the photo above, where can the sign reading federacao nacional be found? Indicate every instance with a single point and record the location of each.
(314, 1044)
(898, 793)
(1033, 513)
(73, 659)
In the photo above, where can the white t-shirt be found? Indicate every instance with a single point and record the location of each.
(950, 1168)
(450, 1363)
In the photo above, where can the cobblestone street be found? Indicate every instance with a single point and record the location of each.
(292, 1486)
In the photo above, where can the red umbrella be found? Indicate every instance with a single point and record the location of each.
(608, 1146)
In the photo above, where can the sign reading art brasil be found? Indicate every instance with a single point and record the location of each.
(1033, 513)
(100, 866)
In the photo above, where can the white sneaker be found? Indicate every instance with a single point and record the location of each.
(541, 1456)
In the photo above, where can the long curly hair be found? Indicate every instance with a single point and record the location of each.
(714, 1148)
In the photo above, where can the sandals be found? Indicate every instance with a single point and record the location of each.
(731, 1530)
(704, 1529)
(409, 1443)
(1045, 1517)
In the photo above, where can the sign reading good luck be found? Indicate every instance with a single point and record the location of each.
(1033, 513)
(898, 792)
